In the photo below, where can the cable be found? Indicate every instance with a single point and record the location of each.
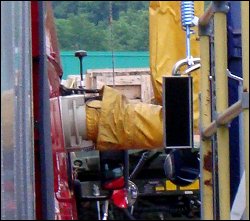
(128, 214)
(111, 39)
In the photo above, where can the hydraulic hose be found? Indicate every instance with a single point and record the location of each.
(144, 158)
(128, 214)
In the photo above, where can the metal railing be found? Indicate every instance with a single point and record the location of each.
(216, 13)
(245, 69)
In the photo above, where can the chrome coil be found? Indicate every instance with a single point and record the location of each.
(187, 13)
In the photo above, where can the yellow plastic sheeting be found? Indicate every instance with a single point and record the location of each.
(124, 125)
(93, 112)
(167, 41)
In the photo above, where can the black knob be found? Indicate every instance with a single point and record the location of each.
(80, 53)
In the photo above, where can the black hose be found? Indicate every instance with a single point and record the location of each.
(139, 165)
(145, 158)
(159, 208)
(128, 214)
(162, 208)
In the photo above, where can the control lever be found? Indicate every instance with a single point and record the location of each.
(146, 156)
(80, 54)
(105, 210)
(96, 192)
(69, 91)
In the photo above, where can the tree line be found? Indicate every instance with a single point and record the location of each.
(102, 25)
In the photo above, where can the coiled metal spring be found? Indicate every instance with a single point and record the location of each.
(187, 13)
(187, 17)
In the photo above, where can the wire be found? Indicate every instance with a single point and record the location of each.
(111, 39)
(128, 214)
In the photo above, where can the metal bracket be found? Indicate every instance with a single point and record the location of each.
(221, 6)
(245, 100)
(192, 68)
(206, 30)
(235, 77)
(175, 70)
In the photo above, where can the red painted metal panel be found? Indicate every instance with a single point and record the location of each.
(35, 67)
(64, 197)
(66, 207)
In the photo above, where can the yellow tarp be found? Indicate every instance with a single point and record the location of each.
(167, 45)
(93, 112)
(115, 123)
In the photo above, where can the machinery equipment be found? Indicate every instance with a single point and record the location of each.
(87, 182)
(91, 154)
(137, 178)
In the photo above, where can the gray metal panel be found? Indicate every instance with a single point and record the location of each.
(17, 147)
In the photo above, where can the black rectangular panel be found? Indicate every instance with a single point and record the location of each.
(178, 112)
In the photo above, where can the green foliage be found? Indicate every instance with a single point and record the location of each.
(86, 25)
(77, 32)
(131, 31)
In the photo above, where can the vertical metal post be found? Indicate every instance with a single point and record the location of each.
(245, 69)
(220, 50)
(214, 137)
(206, 147)
(45, 143)
(80, 58)
(241, 134)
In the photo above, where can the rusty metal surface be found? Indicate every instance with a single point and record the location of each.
(206, 146)
(220, 52)
(208, 161)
